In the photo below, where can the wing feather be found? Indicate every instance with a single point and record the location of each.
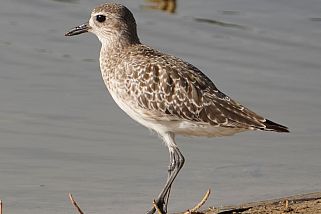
(176, 90)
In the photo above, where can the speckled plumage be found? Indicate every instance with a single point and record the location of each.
(166, 90)
(163, 92)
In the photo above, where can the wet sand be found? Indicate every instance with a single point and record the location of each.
(61, 132)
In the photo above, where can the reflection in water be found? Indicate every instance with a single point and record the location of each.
(68, 1)
(315, 19)
(164, 5)
(230, 12)
(88, 60)
(170, 7)
(5, 43)
(219, 23)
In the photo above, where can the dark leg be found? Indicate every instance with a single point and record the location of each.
(178, 162)
(170, 170)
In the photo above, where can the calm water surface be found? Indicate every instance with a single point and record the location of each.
(61, 132)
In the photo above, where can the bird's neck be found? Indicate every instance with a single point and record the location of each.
(116, 44)
(111, 53)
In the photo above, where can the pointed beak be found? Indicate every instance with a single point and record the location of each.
(78, 30)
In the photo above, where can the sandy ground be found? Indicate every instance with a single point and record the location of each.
(299, 204)
(307, 204)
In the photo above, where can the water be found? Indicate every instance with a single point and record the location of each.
(61, 132)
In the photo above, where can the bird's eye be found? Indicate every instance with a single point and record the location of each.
(100, 18)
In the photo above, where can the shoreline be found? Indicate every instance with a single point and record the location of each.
(307, 203)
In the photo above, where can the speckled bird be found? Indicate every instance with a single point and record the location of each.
(162, 92)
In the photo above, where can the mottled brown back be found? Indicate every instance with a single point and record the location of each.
(173, 88)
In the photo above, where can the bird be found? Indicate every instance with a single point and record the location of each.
(162, 92)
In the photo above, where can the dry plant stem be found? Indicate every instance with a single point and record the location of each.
(200, 204)
(75, 204)
(286, 204)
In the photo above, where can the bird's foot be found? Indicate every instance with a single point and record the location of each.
(159, 207)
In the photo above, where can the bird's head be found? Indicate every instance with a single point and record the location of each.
(110, 22)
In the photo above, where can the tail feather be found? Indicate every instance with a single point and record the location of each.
(272, 126)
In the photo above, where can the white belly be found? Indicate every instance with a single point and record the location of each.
(138, 115)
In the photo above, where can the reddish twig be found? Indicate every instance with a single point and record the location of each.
(200, 204)
(74, 203)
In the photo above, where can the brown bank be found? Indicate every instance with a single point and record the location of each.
(299, 204)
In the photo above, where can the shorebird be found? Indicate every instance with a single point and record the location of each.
(162, 92)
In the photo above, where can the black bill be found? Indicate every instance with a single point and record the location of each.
(78, 30)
